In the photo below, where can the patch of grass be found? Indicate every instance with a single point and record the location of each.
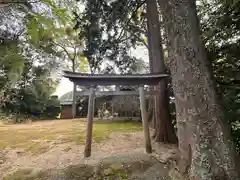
(102, 129)
(77, 136)
(38, 137)
(36, 148)
(28, 140)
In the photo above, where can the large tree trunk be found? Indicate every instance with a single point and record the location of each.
(151, 102)
(151, 99)
(206, 149)
(164, 130)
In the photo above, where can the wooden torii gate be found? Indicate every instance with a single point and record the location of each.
(92, 80)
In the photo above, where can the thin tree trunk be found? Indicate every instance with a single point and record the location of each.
(206, 149)
(74, 98)
(164, 130)
(74, 102)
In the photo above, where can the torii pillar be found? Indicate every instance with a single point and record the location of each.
(147, 139)
(90, 116)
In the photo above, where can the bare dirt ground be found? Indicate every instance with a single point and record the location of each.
(62, 154)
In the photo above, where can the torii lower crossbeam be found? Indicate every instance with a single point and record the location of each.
(94, 80)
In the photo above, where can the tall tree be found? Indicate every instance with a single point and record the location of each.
(164, 130)
(56, 33)
(106, 37)
(109, 31)
(26, 66)
(206, 148)
(25, 81)
(70, 47)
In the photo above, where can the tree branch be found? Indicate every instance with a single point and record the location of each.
(74, 60)
(128, 21)
(64, 49)
(142, 41)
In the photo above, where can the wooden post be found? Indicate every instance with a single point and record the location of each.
(87, 151)
(145, 120)
(74, 103)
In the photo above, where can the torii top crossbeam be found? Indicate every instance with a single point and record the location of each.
(84, 79)
(106, 79)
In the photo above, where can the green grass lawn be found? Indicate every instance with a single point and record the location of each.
(37, 136)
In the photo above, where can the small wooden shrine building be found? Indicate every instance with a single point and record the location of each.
(120, 106)
(93, 80)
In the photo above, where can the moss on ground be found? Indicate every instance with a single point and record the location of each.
(27, 174)
(75, 172)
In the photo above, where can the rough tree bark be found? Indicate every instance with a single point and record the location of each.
(164, 129)
(206, 149)
(151, 102)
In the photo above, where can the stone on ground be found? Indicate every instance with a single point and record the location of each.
(131, 166)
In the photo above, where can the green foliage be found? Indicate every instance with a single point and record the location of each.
(26, 88)
(109, 31)
(11, 66)
(27, 102)
(27, 65)
(11, 62)
(56, 36)
(220, 22)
